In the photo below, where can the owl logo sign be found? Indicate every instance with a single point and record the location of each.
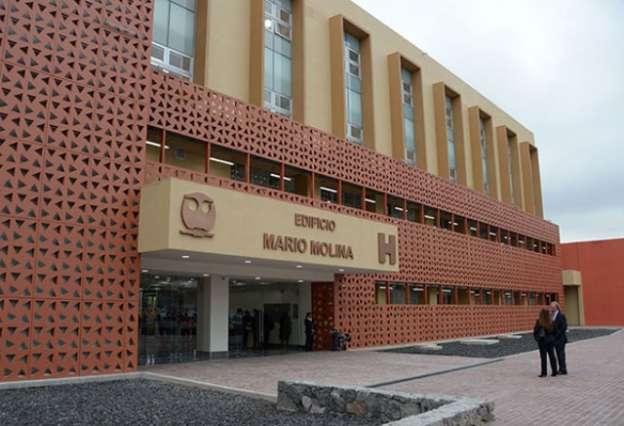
(198, 214)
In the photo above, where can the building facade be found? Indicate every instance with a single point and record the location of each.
(593, 283)
(187, 178)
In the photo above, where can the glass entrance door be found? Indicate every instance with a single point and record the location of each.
(167, 319)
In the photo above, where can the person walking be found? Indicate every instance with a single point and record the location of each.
(561, 338)
(544, 333)
(309, 332)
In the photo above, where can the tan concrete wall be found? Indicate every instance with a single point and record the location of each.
(228, 72)
(239, 230)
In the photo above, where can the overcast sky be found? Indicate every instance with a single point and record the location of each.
(557, 67)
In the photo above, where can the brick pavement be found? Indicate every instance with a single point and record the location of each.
(592, 394)
(261, 374)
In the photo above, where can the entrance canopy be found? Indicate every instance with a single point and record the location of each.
(203, 228)
(197, 263)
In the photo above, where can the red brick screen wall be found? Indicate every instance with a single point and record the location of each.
(601, 264)
(426, 254)
(73, 78)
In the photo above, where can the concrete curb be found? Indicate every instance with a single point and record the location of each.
(69, 381)
(210, 386)
(136, 376)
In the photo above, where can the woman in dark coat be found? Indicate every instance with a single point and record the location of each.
(544, 333)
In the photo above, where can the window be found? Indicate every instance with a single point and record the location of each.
(417, 295)
(407, 98)
(296, 181)
(352, 196)
(431, 216)
(447, 296)
(487, 297)
(475, 296)
(353, 87)
(493, 233)
(432, 295)
(522, 241)
(395, 208)
(397, 294)
(507, 298)
(227, 163)
(462, 296)
(374, 201)
(484, 153)
(278, 56)
(504, 236)
(459, 224)
(450, 138)
(381, 294)
(473, 228)
(184, 152)
(413, 212)
(511, 156)
(446, 220)
(484, 231)
(173, 41)
(327, 189)
(540, 298)
(532, 298)
(265, 173)
(152, 144)
(496, 295)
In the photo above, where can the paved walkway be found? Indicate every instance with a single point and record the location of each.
(592, 394)
(340, 368)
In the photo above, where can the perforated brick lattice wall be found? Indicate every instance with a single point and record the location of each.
(197, 112)
(73, 117)
(426, 254)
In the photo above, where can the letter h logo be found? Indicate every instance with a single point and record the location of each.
(386, 248)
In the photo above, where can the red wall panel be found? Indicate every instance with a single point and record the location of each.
(601, 264)
(72, 124)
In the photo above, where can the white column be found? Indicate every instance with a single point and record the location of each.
(212, 317)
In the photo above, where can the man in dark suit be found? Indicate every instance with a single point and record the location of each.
(561, 326)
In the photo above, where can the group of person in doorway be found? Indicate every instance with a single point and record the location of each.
(550, 333)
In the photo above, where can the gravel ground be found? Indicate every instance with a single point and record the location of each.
(147, 402)
(505, 347)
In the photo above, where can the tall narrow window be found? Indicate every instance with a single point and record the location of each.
(409, 141)
(450, 138)
(510, 158)
(484, 155)
(173, 41)
(353, 88)
(278, 56)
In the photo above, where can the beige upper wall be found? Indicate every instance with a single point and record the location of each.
(227, 71)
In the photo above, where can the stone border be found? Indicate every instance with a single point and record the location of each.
(393, 408)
